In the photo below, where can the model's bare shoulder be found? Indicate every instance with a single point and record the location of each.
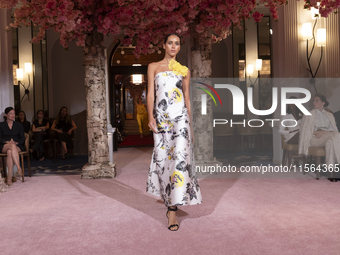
(151, 68)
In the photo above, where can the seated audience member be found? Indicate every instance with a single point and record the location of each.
(39, 128)
(12, 140)
(319, 130)
(22, 119)
(290, 133)
(64, 125)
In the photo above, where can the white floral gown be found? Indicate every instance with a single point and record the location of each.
(171, 173)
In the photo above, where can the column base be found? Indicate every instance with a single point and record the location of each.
(3, 186)
(99, 170)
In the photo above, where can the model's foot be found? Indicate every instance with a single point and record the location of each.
(41, 159)
(172, 219)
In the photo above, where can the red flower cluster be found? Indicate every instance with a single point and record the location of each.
(143, 23)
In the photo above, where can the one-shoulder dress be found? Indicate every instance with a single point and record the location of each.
(172, 172)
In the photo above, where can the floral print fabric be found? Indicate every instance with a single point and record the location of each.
(171, 173)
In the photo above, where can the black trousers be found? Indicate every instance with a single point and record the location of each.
(38, 144)
(64, 137)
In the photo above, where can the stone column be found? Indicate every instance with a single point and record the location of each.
(110, 129)
(99, 165)
(201, 54)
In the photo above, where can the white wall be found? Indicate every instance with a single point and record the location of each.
(290, 59)
(65, 75)
(6, 67)
(25, 56)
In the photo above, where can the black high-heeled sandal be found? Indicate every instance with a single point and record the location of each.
(173, 225)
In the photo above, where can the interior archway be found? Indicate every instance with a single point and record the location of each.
(124, 91)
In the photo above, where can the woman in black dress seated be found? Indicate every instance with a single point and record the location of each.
(64, 125)
(22, 119)
(12, 139)
(39, 128)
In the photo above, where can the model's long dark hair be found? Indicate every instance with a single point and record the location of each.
(67, 117)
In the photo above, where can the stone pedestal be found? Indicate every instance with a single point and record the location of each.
(202, 123)
(3, 186)
(99, 170)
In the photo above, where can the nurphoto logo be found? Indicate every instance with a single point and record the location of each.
(238, 103)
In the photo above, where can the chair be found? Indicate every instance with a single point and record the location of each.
(22, 154)
(249, 132)
(224, 130)
(265, 136)
(318, 153)
(56, 144)
(48, 149)
(288, 151)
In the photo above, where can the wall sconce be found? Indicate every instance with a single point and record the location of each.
(20, 77)
(250, 70)
(307, 31)
(258, 64)
(321, 37)
(320, 40)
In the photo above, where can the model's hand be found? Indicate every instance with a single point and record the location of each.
(11, 142)
(152, 125)
(58, 130)
(69, 132)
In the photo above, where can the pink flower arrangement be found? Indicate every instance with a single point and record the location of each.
(143, 21)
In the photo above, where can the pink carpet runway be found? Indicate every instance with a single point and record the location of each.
(67, 215)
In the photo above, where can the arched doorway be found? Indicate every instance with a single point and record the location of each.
(128, 82)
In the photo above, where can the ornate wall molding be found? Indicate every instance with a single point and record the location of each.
(291, 39)
(332, 52)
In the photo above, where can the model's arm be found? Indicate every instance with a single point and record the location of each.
(186, 91)
(54, 129)
(2, 140)
(151, 97)
(21, 134)
(53, 126)
(74, 127)
(34, 129)
(47, 125)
